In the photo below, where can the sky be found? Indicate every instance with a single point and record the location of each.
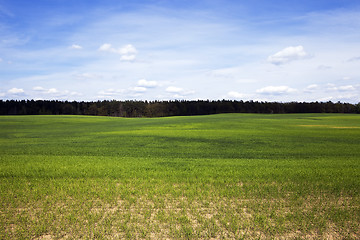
(261, 50)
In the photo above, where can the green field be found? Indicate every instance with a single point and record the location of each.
(227, 176)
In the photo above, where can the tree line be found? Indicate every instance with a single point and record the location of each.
(167, 108)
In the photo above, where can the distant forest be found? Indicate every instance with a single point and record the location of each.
(167, 108)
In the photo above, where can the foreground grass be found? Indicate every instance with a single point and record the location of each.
(229, 176)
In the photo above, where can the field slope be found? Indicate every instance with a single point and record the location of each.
(227, 176)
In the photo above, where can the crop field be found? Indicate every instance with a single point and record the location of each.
(226, 176)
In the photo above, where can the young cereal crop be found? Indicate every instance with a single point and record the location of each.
(227, 176)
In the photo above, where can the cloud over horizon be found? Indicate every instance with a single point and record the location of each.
(147, 84)
(276, 90)
(169, 49)
(16, 91)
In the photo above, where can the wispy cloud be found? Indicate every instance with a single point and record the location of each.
(191, 52)
(138, 89)
(46, 91)
(179, 93)
(5, 11)
(236, 95)
(111, 92)
(147, 84)
(53, 93)
(311, 88)
(130, 92)
(276, 90)
(287, 55)
(174, 89)
(344, 88)
(76, 46)
(324, 67)
(86, 76)
(127, 52)
(16, 91)
(354, 59)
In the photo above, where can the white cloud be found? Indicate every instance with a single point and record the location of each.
(275, 90)
(128, 57)
(111, 92)
(67, 92)
(75, 46)
(16, 91)
(287, 55)
(127, 52)
(179, 92)
(182, 54)
(147, 84)
(348, 96)
(236, 95)
(52, 90)
(53, 93)
(75, 94)
(174, 89)
(138, 89)
(331, 86)
(346, 88)
(311, 88)
(106, 47)
(333, 92)
(40, 89)
(46, 91)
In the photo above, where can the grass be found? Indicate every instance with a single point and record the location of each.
(227, 176)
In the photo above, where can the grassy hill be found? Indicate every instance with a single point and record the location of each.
(227, 176)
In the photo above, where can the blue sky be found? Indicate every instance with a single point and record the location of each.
(280, 50)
